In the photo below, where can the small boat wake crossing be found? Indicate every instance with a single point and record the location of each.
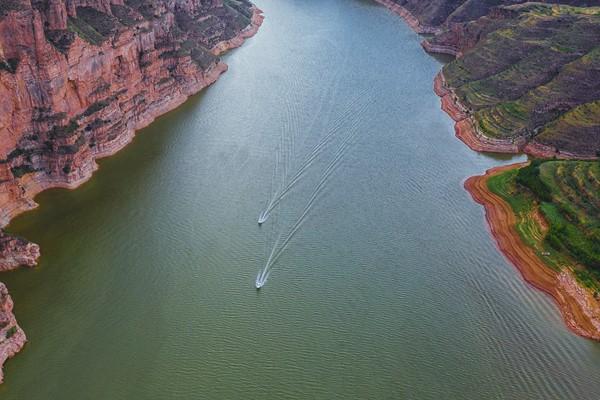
(344, 130)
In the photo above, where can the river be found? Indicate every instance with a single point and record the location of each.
(389, 285)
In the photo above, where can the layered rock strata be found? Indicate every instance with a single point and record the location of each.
(78, 78)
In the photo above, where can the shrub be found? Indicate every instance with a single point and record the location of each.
(22, 170)
(529, 177)
(11, 331)
(9, 65)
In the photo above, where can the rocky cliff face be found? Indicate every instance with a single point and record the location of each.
(15, 252)
(78, 77)
(12, 337)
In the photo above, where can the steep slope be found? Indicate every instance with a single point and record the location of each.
(527, 79)
(78, 77)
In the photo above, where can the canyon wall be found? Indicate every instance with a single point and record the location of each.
(78, 77)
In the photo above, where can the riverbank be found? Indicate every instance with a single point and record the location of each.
(580, 311)
(33, 184)
(466, 130)
(16, 252)
(408, 17)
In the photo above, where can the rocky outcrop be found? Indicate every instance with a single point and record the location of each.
(12, 337)
(15, 252)
(411, 19)
(79, 77)
(465, 128)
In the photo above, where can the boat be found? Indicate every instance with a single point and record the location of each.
(262, 218)
(261, 279)
(258, 283)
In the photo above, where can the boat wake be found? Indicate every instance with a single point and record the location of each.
(351, 115)
(283, 240)
(341, 133)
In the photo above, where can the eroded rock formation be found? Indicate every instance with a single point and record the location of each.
(12, 337)
(78, 77)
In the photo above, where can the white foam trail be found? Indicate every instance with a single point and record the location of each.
(308, 162)
(328, 172)
(335, 162)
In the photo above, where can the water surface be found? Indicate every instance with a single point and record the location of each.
(390, 287)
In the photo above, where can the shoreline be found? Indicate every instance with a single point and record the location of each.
(26, 254)
(580, 312)
(11, 343)
(467, 132)
(408, 17)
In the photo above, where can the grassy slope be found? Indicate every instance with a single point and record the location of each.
(557, 204)
(536, 74)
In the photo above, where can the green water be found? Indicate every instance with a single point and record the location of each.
(390, 288)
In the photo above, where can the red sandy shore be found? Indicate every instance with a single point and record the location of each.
(578, 307)
(580, 310)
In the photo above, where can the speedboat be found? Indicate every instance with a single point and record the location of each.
(261, 279)
(262, 218)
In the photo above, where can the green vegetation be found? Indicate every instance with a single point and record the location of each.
(61, 39)
(144, 7)
(7, 6)
(11, 331)
(557, 204)
(95, 107)
(9, 65)
(242, 7)
(535, 73)
(124, 14)
(64, 131)
(84, 31)
(73, 148)
(22, 170)
(92, 25)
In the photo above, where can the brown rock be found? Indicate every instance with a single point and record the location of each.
(12, 337)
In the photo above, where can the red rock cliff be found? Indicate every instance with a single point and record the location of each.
(78, 77)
